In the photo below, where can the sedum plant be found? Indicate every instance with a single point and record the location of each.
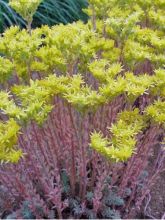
(26, 9)
(82, 109)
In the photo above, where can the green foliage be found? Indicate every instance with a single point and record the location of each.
(8, 141)
(112, 199)
(26, 211)
(8, 106)
(88, 65)
(8, 16)
(157, 111)
(84, 99)
(49, 12)
(124, 131)
(98, 67)
(26, 8)
(109, 213)
(52, 12)
(65, 181)
(6, 69)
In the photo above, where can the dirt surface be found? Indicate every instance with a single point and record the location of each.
(154, 205)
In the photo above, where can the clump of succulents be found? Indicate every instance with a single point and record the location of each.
(81, 102)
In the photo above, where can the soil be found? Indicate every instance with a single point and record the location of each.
(157, 203)
(156, 198)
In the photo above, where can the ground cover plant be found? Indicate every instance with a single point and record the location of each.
(49, 12)
(82, 112)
